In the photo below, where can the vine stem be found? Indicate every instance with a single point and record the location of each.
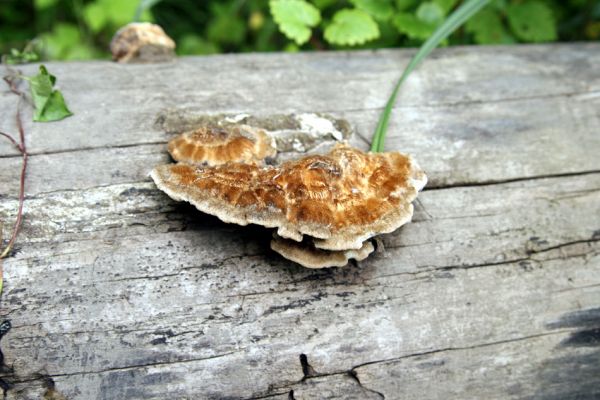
(22, 147)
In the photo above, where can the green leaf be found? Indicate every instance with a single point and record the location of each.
(487, 28)
(413, 27)
(379, 9)
(49, 103)
(295, 18)
(532, 21)
(455, 20)
(122, 12)
(193, 44)
(226, 26)
(323, 4)
(446, 5)
(56, 108)
(57, 44)
(351, 27)
(20, 57)
(402, 5)
(430, 13)
(95, 16)
(43, 4)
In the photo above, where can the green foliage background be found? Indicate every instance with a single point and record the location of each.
(82, 29)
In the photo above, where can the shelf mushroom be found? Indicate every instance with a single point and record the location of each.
(334, 202)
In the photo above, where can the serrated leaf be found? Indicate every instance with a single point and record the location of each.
(351, 27)
(379, 9)
(487, 28)
(49, 104)
(430, 13)
(532, 21)
(295, 18)
(412, 27)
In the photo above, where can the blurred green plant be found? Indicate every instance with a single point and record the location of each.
(82, 29)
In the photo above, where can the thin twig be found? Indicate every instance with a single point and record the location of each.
(23, 149)
(13, 141)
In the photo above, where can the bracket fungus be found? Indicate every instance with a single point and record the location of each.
(336, 202)
(219, 145)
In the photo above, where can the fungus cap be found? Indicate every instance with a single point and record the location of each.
(340, 199)
(309, 256)
(218, 145)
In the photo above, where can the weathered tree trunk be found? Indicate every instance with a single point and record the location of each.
(116, 292)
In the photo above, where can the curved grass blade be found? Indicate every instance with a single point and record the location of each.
(455, 20)
(143, 5)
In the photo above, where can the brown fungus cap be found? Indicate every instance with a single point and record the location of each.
(219, 145)
(308, 256)
(341, 199)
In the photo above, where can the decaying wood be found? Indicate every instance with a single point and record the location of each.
(115, 291)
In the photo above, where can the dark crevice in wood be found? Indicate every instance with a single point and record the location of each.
(307, 370)
(4, 369)
(558, 332)
(518, 260)
(88, 148)
(137, 366)
(352, 373)
(594, 239)
(511, 180)
(360, 136)
(270, 395)
(428, 188)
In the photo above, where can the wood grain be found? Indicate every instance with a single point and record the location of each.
(115, 291)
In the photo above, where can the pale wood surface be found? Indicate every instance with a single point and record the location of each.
(114, 291)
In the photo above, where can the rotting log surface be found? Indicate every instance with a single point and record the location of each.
(114, 291)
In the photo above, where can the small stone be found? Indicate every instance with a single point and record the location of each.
(142, 42)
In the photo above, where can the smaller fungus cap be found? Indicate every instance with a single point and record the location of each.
(219, 145)
(310, 257)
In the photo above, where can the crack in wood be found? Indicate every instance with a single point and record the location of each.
(459, 185)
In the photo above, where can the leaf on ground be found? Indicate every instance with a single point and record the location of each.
(49, 103)
(532, 21)
(351, 27)
(380, 9)
(295, 18)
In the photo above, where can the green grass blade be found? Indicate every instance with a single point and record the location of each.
(456, 19)
(143, 5)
